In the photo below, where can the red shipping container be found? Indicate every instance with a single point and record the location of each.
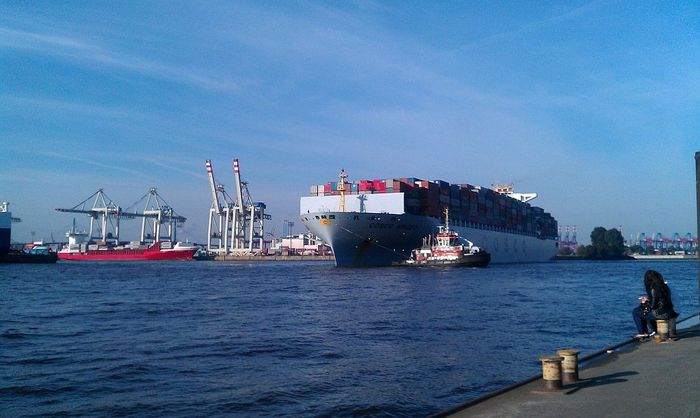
(379, 185)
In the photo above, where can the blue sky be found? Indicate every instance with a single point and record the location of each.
(593, 105)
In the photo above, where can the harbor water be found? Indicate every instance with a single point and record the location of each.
(183, 339)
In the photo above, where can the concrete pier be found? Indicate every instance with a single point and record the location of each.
(646, 379)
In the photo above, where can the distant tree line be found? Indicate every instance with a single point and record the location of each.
(606, 244)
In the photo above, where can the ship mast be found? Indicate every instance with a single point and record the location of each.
(341, 188)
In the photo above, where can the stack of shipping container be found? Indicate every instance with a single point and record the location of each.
(468, 204)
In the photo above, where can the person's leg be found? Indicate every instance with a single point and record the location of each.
(640, 320)
(651, 321)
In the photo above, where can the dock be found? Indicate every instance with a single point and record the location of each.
(666, 257)
(640, 379)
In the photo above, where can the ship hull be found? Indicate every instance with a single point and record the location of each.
(380, 239)
(21, 257)
(152, 253)
(481, 259)
(5, 232)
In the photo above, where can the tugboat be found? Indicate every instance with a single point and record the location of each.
(447, 248)
(204, 255)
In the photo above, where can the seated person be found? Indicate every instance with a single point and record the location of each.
(656, 304)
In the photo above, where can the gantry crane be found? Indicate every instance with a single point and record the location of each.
(157, 212)
(249, 218)
(215, 225)
(105, 216)
(237, 226)
(220, 214)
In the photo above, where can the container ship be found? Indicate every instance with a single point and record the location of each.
(371, 223)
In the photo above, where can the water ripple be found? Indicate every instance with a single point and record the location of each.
(306, 339)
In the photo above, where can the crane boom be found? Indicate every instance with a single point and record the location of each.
(212, 184)
(117, 212)
(239, 189)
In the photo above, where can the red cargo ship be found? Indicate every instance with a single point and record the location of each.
(78, 250)
(155, 252)
(152, 245)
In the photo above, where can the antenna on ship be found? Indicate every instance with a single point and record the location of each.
(447, 218)
(341, 189)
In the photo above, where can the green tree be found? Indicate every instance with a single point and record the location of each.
(614, 243)
(598, 239)
(590, 251)
(636, 249)
(606, 244)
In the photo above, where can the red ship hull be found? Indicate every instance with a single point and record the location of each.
(152, 253)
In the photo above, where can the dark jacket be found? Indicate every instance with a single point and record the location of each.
(661, 304)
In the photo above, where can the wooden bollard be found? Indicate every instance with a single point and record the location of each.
(551, 372)
(662, 329)
(569, 365)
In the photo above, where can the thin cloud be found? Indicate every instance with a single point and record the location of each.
(532, 26)
(399, 68)
(89, 162)
(171, 167)
(80, 51)
(70, 107)
(11, 38)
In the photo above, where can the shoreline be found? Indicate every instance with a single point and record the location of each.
(665, 257)
(631, 257)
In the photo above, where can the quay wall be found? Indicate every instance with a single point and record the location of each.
(665, 257)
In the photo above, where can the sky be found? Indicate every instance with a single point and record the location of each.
(592, 105)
